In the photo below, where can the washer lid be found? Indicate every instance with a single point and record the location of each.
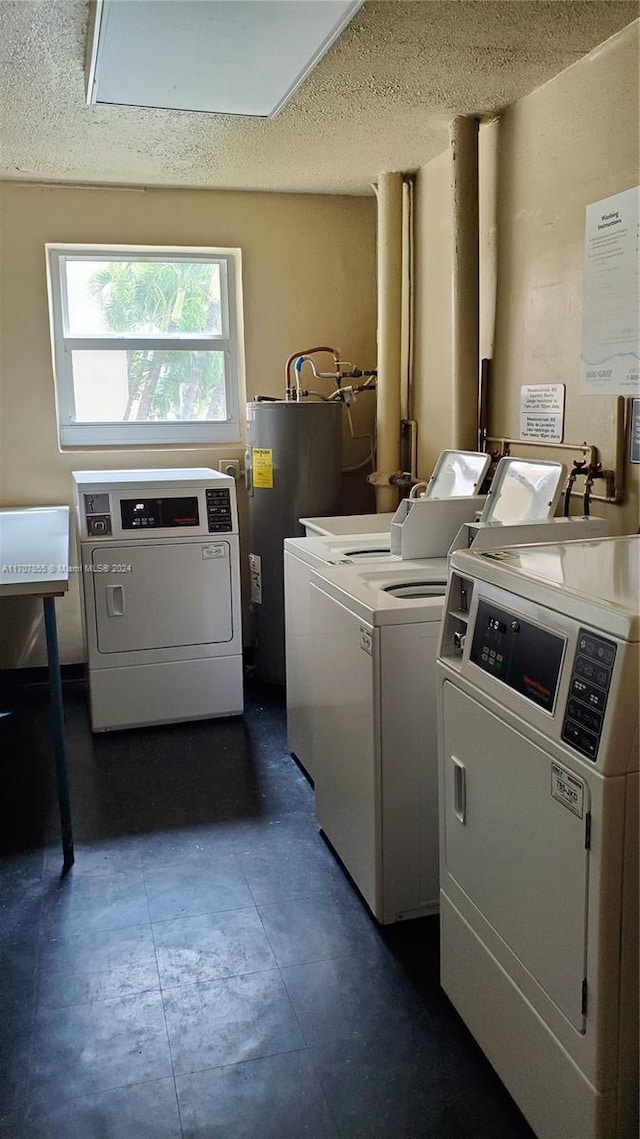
(458, 474)
(387, 594)
(523, 490)
(333, 550)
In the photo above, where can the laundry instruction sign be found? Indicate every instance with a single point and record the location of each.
(542, 412)
(611, 308)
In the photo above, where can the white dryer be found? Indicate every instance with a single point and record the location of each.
(161, 591)
(538, 714)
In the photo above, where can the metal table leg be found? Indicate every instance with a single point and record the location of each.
(55, 681)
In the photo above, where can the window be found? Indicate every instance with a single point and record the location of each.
(146, 344)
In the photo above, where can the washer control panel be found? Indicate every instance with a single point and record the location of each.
(519, 653)
(588, 693)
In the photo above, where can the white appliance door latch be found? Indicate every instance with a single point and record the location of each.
(115, 600)
(459, 790)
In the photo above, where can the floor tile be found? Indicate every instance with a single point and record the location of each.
(81, 967)
(88, 903)
(204, 948)
(20, 910)
(278, 1097)
(391, 1089)
(195, 887)
(97, 1046)
(15, 1057)
(317, 927)
(359, 996)
(142, 1111)
(25, 866)
(226, 1021)
(291, 862)
(166, 848)
(97, 858)
(17, 974)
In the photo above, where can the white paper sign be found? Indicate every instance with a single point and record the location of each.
(610, 322)
(542, 412)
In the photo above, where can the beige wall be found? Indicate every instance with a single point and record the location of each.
(570, 143)
(308, 278)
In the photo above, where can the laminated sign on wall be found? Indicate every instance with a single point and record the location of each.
(610, 322)
(542, 412)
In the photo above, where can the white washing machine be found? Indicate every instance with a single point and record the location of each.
(433, 525)
(374, 633)
(538, 720)
(301, 555)
(161, 590)
(426, 529)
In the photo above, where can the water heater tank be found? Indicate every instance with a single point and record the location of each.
(293, 465)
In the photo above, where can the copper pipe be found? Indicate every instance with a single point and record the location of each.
(307, 352)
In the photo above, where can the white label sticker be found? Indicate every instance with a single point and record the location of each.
(255, 575)
(366, 642)
(214, 551)
(567, 789)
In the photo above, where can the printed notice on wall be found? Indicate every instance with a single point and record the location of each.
(262, 459)
(610, 322)
(634, 441)
(542, 412)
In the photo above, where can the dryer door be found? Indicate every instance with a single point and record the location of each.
(515, 850)
(162, 595)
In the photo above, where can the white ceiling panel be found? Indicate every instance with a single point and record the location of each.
(234, 57)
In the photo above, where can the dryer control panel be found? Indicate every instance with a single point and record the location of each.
(146, 504)
(219, 509)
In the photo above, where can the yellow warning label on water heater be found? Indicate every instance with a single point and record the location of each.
(262, 462)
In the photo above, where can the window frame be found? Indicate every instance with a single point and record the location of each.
(158, 432)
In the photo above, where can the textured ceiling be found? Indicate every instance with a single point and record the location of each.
(379, 100)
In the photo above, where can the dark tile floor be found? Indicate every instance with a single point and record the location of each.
(206, 970)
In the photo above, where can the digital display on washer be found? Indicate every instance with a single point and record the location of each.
(521, 655)
(159, 513)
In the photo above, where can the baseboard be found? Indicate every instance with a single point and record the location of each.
(12, 678)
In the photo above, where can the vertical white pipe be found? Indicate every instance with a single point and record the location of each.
(388, 411)
(463, 137)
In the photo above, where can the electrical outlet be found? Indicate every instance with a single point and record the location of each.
(230, 467)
